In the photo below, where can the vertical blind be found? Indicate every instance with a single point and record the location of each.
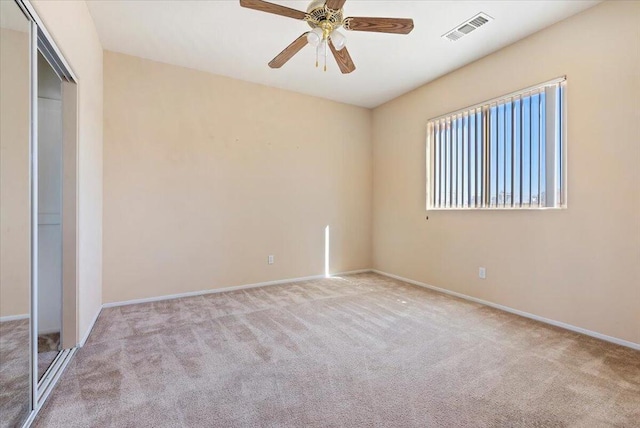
(505, 153)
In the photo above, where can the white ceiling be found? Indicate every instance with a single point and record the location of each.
(223, 38)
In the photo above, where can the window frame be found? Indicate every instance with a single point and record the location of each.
(483, 107)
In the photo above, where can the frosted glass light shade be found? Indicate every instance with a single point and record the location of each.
(338, 39)
(314, 37)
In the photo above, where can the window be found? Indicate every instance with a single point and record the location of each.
(505, 153)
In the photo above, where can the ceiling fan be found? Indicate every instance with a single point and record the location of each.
(324, 18)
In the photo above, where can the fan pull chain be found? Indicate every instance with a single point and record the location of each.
(326, 44)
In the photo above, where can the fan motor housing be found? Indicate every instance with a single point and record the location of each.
(318, 15)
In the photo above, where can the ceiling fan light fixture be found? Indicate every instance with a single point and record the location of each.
(324, 17)
(314, 37)
(338, 39)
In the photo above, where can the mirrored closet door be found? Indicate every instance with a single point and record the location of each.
(38, 213)
(49, 215)
(15, 216)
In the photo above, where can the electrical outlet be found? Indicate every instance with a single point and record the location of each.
(270, 260)
(482, 273)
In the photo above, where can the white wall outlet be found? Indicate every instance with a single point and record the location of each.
(482, 273)
(270, 260)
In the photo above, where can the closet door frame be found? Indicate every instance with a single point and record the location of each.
(41, 41)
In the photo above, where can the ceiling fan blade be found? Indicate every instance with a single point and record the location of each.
(264, 6)
(289, 51)
(335, 4)
(343, 59)
(380, 25)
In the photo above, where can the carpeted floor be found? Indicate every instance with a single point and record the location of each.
(14, 372)
(14, 368)
(357, 351)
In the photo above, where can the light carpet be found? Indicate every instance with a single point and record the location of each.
(14, 372)
(357, 351)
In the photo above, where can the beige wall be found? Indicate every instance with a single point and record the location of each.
(14, 172)
(81, 47)
(205, 176)
(579, 266)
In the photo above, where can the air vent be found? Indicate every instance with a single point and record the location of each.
(467, 27)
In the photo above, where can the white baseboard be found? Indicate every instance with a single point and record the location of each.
(225, 289)
(566, 326)
(88, 332)
(14, 317)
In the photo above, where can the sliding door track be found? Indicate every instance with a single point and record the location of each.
(53, 373)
